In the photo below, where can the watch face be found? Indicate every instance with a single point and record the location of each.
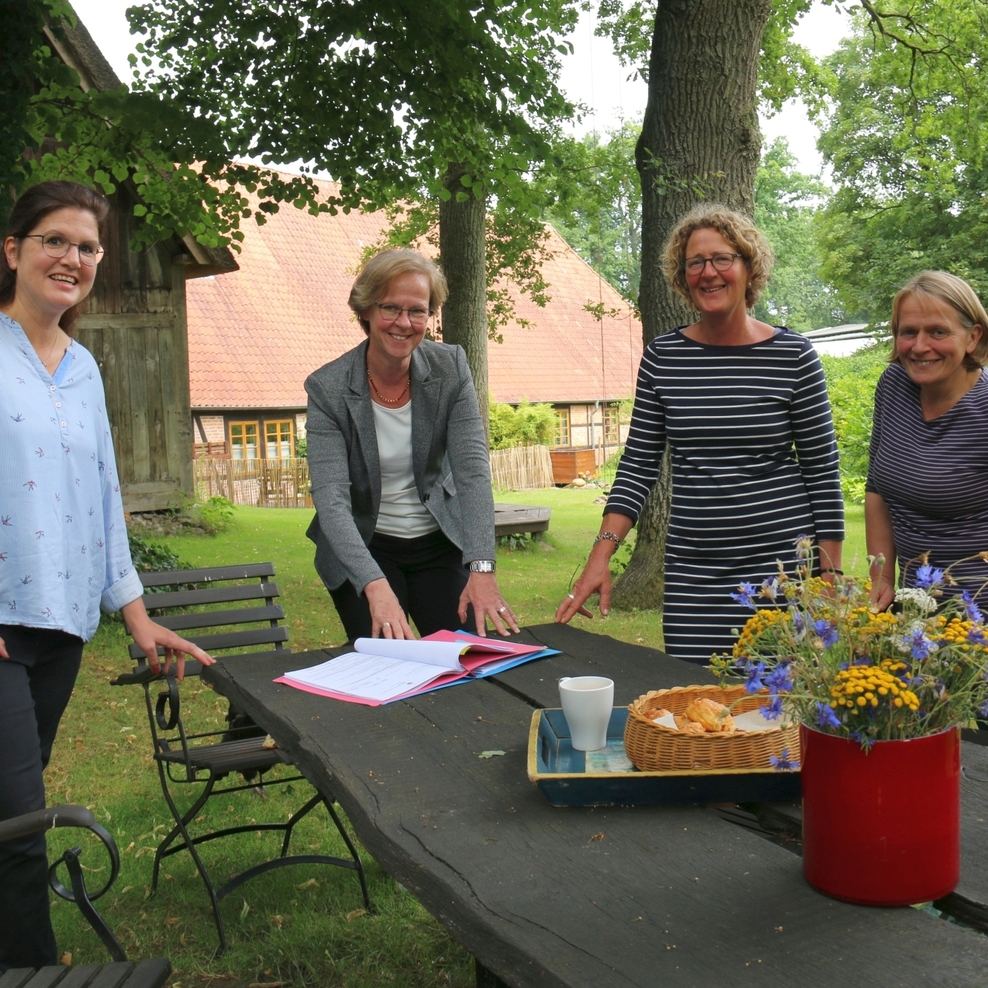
(482, 566)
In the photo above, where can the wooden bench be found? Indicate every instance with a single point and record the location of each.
(122, 974)
(521, 519)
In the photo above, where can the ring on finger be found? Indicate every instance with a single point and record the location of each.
(572, 596)
(502, 610)
(385, 624)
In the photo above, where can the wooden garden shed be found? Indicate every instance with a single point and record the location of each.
(135, 326)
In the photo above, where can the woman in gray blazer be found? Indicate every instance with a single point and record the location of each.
(400, 472)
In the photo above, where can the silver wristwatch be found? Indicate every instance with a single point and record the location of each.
(483, 566)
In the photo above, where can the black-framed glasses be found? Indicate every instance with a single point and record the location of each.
(55, 245)
(416, 316)
(720, 262)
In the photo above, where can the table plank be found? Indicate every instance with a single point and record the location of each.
(544, 896)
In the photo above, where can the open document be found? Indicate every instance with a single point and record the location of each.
(385, 669)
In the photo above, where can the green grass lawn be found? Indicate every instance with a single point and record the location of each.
(300, 926)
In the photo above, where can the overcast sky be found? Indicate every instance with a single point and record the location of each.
(592, 75)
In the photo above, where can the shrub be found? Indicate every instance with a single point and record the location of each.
(153, 557)
(851, 382)
(526, 425)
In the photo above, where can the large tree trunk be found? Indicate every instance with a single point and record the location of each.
(462, 238)
(699, 141)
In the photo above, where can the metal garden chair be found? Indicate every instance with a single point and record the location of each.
(230, 611)
(120, 974)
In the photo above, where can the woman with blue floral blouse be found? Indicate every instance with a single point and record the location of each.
(63, 541)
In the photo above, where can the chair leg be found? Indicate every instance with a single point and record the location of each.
(165, 848)
(295, 817)
(358, 864)
(81, 898)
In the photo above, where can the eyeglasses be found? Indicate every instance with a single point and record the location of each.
(417, 316)
(721, 262)
(55, 245)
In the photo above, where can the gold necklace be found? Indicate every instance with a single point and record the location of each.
(390, 401)
(51, 349)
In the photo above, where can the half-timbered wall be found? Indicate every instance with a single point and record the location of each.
(136, 329)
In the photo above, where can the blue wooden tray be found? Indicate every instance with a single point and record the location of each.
(607, 778)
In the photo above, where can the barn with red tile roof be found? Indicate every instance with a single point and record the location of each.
(255, 334)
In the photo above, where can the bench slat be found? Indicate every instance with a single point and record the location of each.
(243, 572)
(211, 595)
(217, 619)
(228, 640)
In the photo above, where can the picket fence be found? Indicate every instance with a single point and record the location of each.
(284, 483)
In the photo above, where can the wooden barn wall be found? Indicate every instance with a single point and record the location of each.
(136, 329)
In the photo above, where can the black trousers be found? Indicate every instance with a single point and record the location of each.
(427, 576)
(35, 686)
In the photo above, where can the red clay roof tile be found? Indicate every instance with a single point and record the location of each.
(255, 334)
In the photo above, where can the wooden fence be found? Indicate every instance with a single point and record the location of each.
(522, 468)
(284, 483)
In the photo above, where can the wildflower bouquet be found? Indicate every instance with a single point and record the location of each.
(830, 661)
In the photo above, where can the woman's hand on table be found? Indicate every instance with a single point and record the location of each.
(149, 635)
(595, 578)
(483, 594)
(388, 619)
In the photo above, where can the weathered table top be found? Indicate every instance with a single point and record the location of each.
(634, 896)
(520, 519)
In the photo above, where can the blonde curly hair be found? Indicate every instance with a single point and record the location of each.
(737, 230)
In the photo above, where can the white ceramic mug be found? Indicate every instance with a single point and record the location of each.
(587, 702)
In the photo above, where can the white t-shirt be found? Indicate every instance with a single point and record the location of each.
(402, 514)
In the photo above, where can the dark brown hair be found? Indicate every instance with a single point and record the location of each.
(32, 206)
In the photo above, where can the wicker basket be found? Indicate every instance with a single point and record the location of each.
(654, 748)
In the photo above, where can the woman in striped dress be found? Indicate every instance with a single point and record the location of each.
(928, 473)
(744, 409)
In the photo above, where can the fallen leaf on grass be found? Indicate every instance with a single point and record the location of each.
(310, 884)
(356, 913)
(490, 754)
(66, 959)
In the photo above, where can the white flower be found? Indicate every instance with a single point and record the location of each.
(920, 598)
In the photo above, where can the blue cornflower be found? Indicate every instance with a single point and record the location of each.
(746, 592)
(782, 762)
(970, 606)
(918, 644)
(773, 710)
(927, 576)
(779, 680)
(804, 546)
(826, 632)
(977, 636)
(825, 716)
(798, 621)
(755, 671)
(983, 710)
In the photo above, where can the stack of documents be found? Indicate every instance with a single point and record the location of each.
(386, 669)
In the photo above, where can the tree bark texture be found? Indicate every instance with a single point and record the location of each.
(462, 239)
(699, 142)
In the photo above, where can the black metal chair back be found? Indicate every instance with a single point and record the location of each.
(230, 611)
(151, 973)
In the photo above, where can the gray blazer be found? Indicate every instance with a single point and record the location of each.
(449, 458)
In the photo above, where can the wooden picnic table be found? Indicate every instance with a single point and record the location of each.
(521, 519)
(612, 897)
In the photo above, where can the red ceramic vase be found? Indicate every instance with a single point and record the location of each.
(881, 828)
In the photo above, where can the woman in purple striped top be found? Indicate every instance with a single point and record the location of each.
(928, 473)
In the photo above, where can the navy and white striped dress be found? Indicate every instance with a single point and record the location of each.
(754, 466)
(933, 476)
